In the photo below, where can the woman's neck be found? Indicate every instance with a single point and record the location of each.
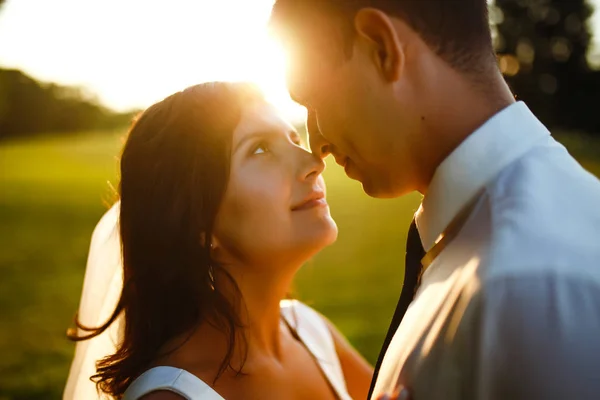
(203, 350)
(259, 311)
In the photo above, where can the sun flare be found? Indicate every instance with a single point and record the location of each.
(270, 77)
(134, 53)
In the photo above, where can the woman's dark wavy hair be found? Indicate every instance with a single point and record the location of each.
(174, 172)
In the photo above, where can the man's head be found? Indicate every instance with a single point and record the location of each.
(368, 70)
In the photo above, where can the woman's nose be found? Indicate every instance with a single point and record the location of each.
(312, 166)
(318, 144)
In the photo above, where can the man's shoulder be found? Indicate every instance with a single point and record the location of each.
(545, 216)
(546, 173)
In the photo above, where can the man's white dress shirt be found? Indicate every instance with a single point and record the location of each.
(510, 309)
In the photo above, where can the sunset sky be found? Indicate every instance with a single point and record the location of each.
(131, 53)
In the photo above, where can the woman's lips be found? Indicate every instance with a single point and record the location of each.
(320, 202)
(314, 199)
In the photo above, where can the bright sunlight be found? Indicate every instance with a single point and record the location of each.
(132, 53)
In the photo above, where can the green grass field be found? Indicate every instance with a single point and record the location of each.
(54, 190)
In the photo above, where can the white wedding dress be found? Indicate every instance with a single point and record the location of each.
(101, 290)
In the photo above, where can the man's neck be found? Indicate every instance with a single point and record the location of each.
(454, 110)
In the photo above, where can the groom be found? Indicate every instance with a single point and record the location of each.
(503, 257)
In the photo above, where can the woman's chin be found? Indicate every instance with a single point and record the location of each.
(332, 232)
(321, 236)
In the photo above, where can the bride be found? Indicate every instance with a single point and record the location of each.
(220, 205)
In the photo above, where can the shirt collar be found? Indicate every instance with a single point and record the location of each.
(474, 163)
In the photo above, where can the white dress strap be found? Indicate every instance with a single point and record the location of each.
(171, 379)
(316, 336)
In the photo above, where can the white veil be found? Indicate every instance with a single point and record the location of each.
(101, 290)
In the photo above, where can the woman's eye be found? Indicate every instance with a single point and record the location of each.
(261, 149)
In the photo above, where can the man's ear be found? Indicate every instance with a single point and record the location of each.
(381, 41)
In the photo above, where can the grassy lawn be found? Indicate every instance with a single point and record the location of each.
(54, 190)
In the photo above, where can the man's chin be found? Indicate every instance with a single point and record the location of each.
(351, 171)
(372, 187)
(378, 191)
(373, 191)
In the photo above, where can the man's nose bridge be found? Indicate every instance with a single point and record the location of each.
(318, 144)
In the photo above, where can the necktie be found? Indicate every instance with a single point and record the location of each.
(412, 273)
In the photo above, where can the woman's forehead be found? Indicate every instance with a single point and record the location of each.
(261, 117)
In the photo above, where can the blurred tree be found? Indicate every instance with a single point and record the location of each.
(542, 47)
(29, 107)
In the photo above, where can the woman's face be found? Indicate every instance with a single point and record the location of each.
(274, 210)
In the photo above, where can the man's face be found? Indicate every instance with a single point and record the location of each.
(354, 112)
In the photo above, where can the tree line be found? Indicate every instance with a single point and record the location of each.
(29, 107)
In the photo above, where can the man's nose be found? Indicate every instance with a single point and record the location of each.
(318, 144)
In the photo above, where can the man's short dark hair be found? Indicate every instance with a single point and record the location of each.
(457, 30)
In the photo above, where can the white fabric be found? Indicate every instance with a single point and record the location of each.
(511, 308)
(478, 160)
(315, 334)
(101, 290)
(171, 379)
